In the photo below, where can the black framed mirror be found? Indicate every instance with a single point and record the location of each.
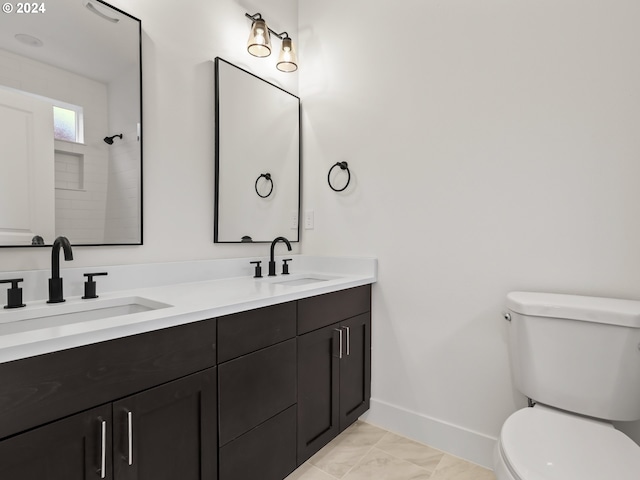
(71, 116)
(257, 160)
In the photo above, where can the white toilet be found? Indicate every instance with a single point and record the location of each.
(578, 359)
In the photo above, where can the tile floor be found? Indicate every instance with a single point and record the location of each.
(366, 452)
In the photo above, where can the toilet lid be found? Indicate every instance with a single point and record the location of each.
(542, 444)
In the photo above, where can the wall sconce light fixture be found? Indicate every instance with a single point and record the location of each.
(259, 44)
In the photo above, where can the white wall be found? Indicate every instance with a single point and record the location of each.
(494, 147)
(180, 41)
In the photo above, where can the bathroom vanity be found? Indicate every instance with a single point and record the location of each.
(248, 394)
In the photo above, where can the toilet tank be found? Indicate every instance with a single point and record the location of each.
(577, 353)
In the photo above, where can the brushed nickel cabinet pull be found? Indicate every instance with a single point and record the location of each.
(348, 331)
(130, 436)
(339, 330)
(103, 449)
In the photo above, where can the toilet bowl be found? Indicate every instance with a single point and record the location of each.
(542, 443)
(578, 359)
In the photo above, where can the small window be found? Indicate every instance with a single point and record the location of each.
(68, 119)
(66, 124)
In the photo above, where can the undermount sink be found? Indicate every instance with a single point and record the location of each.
(298, 279)
(301, 281)
(74, 311)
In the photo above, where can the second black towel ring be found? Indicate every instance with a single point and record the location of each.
(343, 166)
(267, 176)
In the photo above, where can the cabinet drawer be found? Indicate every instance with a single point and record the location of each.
(246, 332)
(41, 389)
(268, 452)
(322, 310)
(255, 387)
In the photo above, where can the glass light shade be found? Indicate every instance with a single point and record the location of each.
(288, 60)
(259, 43)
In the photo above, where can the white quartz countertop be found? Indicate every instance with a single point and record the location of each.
(22, 335)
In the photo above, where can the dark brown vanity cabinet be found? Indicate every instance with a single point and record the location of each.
(155, 419)
(166, 432)
(334, 365)
(257, 393)
(245, 396)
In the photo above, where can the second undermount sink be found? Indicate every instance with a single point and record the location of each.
(74, 311)
(301, 281)
(298, 279)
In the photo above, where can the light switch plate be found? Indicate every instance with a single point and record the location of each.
(308, 220)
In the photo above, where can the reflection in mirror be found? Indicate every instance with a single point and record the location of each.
(257, 158)
(70, 116)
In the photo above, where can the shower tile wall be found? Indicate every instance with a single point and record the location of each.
(86, 199)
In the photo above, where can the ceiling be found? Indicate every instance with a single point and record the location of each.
(75, 38)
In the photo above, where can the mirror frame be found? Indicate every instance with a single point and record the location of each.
(216, 238)
(141, 142)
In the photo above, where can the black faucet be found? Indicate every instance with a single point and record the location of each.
(55, 282)
(272, 262)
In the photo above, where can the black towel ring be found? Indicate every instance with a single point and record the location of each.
(343, 166)
(267, 176)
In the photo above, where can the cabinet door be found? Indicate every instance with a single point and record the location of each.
(318, 384)
(355, 369)
(168, 432)
(76, 448)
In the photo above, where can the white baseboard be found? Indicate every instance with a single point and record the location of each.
(458, 441)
